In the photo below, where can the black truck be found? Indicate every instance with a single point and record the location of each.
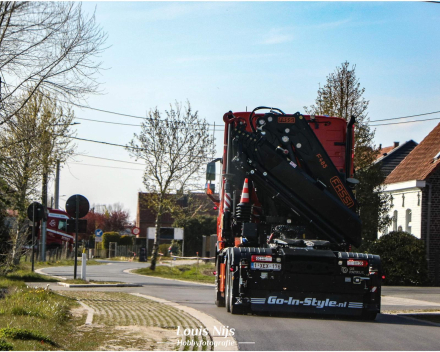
(287, 218)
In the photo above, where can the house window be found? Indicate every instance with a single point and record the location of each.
(391, 199)
(395, 220)
(403, 200)
(418, 198)
(408, 216)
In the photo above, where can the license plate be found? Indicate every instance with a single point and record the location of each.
(266, 266)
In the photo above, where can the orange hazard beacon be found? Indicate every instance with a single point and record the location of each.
(288, 218)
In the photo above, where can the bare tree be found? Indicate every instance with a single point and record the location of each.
(50, 46)
(30, 145)
(174, 150)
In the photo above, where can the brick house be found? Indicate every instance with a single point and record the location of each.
(146, 218)
(414, 186)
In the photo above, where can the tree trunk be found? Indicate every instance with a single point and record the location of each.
(156, 237)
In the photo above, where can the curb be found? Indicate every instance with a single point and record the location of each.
(90, 313)
(414, 318)
(128, 271)
(97, 285)
(221, 343)
(38, 271)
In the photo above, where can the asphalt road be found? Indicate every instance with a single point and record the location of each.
(387, 332)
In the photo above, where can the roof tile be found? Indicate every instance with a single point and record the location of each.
(419, 164)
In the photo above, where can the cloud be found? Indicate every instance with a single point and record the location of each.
(276, 36)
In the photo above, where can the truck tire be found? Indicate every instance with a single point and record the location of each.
(227, 287)
(232, 293)
(220, 301)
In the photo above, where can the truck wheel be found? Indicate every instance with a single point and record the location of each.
(220, 301)
(227, 287)
(232, 294)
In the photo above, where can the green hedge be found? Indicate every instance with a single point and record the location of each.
(126, 240)
(108, 237)
(403, 259)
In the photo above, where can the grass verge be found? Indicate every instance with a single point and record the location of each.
(196, 273)
(35, 319)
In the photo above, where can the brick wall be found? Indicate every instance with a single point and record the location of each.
(434, 235)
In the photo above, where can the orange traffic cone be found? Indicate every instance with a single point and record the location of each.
(245, 193)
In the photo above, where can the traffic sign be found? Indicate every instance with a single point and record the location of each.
(83, 206)
(135, 230)
(39, 211)
(98, 232)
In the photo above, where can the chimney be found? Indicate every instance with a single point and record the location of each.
(396, 144)
(380, 146)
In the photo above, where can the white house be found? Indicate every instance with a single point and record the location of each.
(415, 189)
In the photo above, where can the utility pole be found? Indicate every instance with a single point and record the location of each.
(57, 185)
(44, 220)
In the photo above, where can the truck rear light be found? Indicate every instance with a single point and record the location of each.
(357, 262)
(261, 258)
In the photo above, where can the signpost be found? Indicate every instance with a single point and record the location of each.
(98, 235)
(77, 206)
(35, 213)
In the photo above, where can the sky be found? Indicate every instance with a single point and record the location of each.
(223, 56)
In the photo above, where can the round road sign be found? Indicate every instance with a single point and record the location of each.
(135, 230)
(98, 232)
(83, 207)
(39, 211)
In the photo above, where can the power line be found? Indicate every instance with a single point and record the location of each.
(145, 118)
(110, 167)
(406, 117)
(399, 123)
(97, 157)
(128, 124)
(109, 122)
(123, 146)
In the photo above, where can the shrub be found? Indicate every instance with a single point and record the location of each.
(175, 248)
(108, 237)
(163, 248)
(126, 240)
(403, 258)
